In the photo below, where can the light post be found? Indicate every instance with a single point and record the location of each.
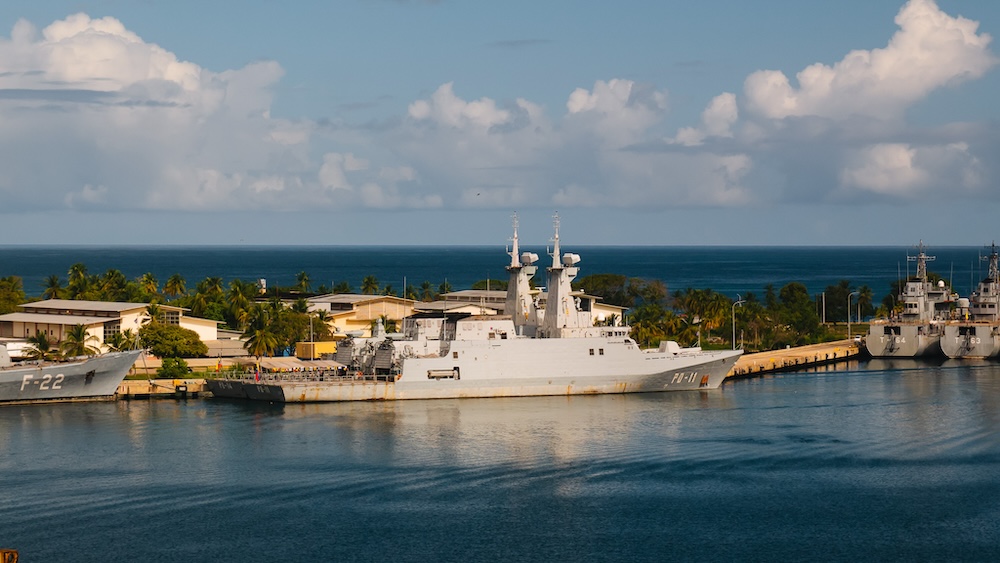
(849, 295)
(739, 301)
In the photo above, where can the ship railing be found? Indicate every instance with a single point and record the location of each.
(309, 376)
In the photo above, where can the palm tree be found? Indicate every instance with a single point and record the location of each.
(369, 285)
(78, 285)
(410, 292)
(341, 287)
(121, 341)
(211, 287)
(445, 287)
(40, 347)
(427, 291)
(238, 300)
(154, 312)
(77, 273)
(174, 286)
(302, 281)
(77, 342)
(260, 339)
(388, 290)
(149, 283)
(113, 284)
(865, 296)
(53, 288)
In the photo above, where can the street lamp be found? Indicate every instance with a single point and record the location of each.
(739, 301)
(849, 312)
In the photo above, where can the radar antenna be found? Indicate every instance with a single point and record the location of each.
(921, 259)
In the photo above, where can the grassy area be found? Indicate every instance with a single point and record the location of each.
(839, 330)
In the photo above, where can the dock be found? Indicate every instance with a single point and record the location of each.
(161, 388)
(799, 357)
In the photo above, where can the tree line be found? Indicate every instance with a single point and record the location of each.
(778, 317)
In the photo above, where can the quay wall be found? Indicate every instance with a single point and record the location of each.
(799, 357)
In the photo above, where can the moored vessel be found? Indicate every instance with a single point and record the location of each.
(528, 351)
(977, 332)
(91, 378)
(917, 330)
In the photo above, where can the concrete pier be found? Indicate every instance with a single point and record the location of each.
(161, 388)
(799, 357)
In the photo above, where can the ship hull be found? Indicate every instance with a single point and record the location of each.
(903, 340)
(966, 340)
(95, 378)
(446, 378)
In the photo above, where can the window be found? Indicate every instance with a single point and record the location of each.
(111, 328)
(591, 351)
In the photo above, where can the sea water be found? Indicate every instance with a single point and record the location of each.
(729, 270)
(878, 461)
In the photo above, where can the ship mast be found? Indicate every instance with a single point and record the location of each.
(519, 304)
(515, 261)
(994, 258)
(921, 259)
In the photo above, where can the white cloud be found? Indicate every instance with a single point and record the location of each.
(447, 109)
(152, 131)
(930, 50)
(899, 169)
(134, 127)
(716, 120)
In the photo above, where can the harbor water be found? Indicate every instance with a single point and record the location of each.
(873, 461)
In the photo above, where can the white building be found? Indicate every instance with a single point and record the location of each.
(54, 318)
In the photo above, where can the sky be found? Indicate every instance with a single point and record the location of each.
(719, 122)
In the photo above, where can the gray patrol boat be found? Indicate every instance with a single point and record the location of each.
(93, 378)
(977, 333)
(918, 329)
(528, 351)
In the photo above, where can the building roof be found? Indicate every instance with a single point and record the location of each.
(46, 318)
(476, 295)
(59, 305)
(352, 298)
(448, 306)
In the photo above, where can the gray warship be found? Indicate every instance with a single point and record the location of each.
(917, 331)
(977, 333)
(93, 378)
(527, 351)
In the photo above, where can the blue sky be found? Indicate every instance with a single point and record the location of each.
(413, 122)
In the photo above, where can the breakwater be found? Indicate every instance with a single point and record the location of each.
(795, 358)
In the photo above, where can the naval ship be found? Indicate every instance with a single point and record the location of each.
(977, 333)
(93, 378)
(918, 329)
(527, 351)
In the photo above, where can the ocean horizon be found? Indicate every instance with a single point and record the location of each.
(730, 270)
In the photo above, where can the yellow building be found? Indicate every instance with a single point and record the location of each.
(354, 313)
